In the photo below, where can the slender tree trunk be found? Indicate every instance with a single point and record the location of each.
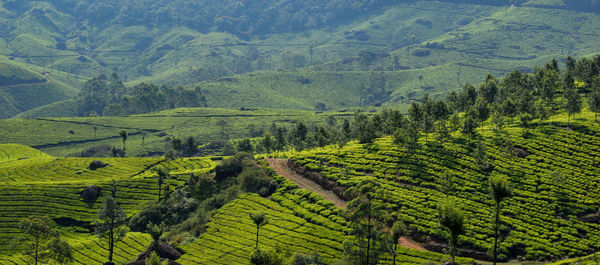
(111, 239)
(496, 230)
(37, 247)
(257, 228)
(453, 248)
(368, 237)
(395, 252)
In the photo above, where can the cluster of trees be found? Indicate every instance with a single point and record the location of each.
(376, 231)
(108, 96)
(525, 96)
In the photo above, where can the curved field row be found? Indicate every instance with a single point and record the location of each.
(44, 185)
(47, 168)
(299, 222)
(559, 173)
(10, 152)
(90, 250)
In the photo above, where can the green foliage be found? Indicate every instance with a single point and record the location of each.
(262, 257)
(452, 219)
(37, 231)
(110, 97)
(154, 259)
(499, 190)
(111, 224)
(230, 166)
(60, 251)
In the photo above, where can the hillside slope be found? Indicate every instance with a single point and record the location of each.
(25, 86)
(34, 183)
(553, 169)
(424, 46)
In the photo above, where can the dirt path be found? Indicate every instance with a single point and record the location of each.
(409, 243)
(280, 166)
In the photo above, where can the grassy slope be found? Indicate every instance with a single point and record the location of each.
(412, 184)
(28, 87)
(45, 185)
(299, 222)
(53, 135)
(494, 39)
(504, 40)
(472, 40)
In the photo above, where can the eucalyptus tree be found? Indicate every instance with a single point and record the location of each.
(452, 219)
(499, 191)
(259, 219)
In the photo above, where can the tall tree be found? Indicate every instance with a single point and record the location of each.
(123, 135)
(398, 230)
(364, 129)
(259, 219)
(427, 126)
(572, 96)
(452, 219)
(549, 84)
(470, 124)
(594, 98)
(489, 88)
(36, 231)
(161, 174)
(482, 110)
(499, 190)
(110, 224)
(177, 145)
(509, 109)
(190, 146)
(365, 219)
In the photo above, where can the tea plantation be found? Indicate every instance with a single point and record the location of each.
(149, 134)
(552, 167)
(299, 222)
(33, 183)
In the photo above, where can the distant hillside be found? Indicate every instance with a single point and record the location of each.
(431, 46)
(24, 86)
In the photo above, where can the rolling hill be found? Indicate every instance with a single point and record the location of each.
(421, 47)
(552, 168)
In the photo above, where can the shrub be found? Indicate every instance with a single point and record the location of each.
(90, 193)
(421, 52)
(96, 164)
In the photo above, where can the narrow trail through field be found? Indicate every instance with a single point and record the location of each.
(280, 166)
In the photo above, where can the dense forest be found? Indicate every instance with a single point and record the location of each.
(110, 97)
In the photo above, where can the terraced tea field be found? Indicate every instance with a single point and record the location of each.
(149, 134)
(89, 250)
(299, 222)
(33, 183)
(555, 181)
